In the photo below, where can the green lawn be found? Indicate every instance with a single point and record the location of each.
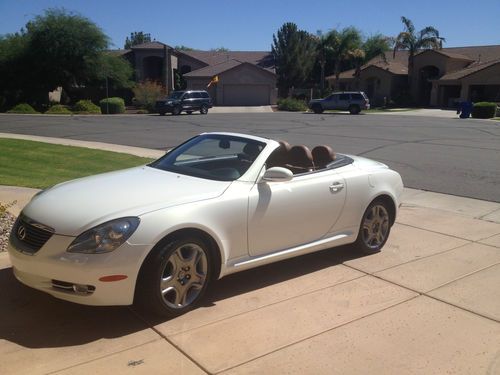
(40, 165)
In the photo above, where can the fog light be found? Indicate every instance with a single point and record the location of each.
(81, 289)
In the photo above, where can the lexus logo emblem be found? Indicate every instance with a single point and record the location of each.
(21, 232)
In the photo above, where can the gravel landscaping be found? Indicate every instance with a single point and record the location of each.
(6, 223)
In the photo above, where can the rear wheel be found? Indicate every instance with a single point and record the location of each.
(354, 109)
(375, 228)
(175, 277)
(317, 108)
(176, 110)
(204, 109)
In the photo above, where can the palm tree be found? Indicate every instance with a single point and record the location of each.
(323, 50)
(345, 44)
(413, 41)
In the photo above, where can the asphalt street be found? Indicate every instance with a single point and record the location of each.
(452, 156)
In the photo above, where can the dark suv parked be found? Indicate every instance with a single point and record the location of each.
(353, 101)
(187, 101)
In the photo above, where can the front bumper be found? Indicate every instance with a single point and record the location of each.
(164, 107)
(52, 267)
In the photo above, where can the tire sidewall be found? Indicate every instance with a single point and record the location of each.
(360, 244)
(149, 281)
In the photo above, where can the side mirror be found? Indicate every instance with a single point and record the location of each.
(277, 174)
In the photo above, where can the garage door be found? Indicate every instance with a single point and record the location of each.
(246, 95)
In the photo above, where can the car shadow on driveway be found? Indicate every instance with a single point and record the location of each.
(33, 319)
(264, 276)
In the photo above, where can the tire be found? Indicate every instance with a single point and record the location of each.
(174, 277)
(375, 228)
(317, 109)
(204, 109)
(176, 111)
(162, 113)
(189, 112)
(354, 109)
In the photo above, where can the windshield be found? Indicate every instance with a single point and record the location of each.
(176, 95)
(212, 156)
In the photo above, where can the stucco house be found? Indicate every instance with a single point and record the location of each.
(244, 78)
(440, 77)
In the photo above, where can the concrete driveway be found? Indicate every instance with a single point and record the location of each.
(429, 303)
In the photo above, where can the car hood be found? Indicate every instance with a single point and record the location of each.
(315, 101)
(75, 206)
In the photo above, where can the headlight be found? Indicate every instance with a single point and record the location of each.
(105, 237)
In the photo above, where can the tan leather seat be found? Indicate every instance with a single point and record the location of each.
(279, 157)
(251, 151)
(300, 159)
(322, 156)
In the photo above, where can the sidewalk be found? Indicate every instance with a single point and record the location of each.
(429, 112)
(429, 303)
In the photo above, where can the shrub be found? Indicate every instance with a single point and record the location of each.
(484, 110)
(146, 93)
(58, 109)
(293, 105)
(22, 108)
(115, 105)
(86, 106)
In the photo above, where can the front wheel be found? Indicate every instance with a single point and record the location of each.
(175, 277)
(375, 228)
(176, 111)
(317, 109)
(354, 109)
(204, 109)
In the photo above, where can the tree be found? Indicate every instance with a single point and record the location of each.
(220, 49)
(324, 49)
(137, 37)
(376, 45)
(346, 45)
(183, 48)
(294, 54)
(58, 48)
(412, 41)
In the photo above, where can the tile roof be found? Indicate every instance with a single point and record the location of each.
(118, 52)
(448, 54)
(212, 70)
(480, 57)
(150, 45)
(471, 69)
(394, 63)
(263, 59)
(476, 53)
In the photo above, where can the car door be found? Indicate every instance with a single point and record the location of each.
(282, 215)
(344, 101)
(188, 100)
(329, 102)
(197, 99)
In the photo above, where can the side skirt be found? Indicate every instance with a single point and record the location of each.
(241, 264)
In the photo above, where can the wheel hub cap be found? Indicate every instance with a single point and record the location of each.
(184, 276)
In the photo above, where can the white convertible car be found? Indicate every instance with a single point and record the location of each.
(217, 204)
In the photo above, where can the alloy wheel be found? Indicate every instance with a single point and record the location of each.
(375, 226)
(184, 276)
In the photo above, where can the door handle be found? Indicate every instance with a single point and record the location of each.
(336, 187)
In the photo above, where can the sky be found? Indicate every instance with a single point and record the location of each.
(250, 25)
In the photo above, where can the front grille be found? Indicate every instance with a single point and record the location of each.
(29, 236)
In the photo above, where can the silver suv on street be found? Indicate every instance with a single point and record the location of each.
(352, 101)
